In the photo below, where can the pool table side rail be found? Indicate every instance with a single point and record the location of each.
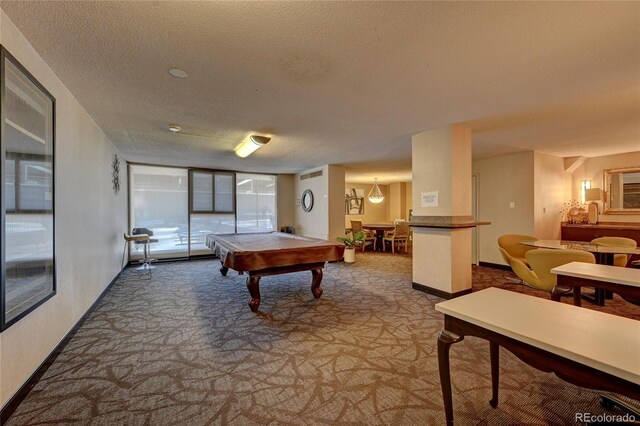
(285, 252)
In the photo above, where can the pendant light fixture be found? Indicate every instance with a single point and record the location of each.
(375, 195)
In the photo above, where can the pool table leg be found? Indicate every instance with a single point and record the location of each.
(315, 284)
(253, 285)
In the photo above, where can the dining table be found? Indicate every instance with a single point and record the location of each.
(379, 229)
(604, 255)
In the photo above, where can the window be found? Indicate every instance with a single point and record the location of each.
(212, 192)
(212, 207)
(28, 138)
(256, 202)
(159, 202)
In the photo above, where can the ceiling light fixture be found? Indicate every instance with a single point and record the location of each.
(250, 144)
(174, 128)
(177, 72)
(375, 195)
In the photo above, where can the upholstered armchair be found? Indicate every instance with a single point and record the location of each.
(618, 259)
(510, 247)
(399, 235)
(542, 261)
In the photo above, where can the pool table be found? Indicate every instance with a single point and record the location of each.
(273, 253)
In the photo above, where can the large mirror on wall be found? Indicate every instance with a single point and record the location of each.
(622, 191)
(27, 204)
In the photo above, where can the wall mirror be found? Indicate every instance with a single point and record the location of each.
(307, 200)
(27, 202)
(622, 191)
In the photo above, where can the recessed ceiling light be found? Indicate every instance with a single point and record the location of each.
(174, 128)
(177, 72)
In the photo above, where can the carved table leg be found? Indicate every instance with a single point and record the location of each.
(494, 350)
(223, 269)
(315, 284)
(445, 340)
(254, 291)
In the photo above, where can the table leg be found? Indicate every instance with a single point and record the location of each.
(557, 292)
(494, 350)
(316, 275)
(223, 269)
(577, 298)
(445, 340)
(253, 285)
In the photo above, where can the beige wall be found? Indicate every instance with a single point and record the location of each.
(552, 188)
(450, 175)
(286, 200)
(437, 177)
(336, 202)
(83, 200)
(398, 201)
(409, 197)
(592, 169)
(502, 180)
(326, 218)
(315, 223)
(372, 212)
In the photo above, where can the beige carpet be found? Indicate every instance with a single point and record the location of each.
(184, 348)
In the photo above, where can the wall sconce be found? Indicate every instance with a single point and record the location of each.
(584, 185)
(250, 144)
(375, 195)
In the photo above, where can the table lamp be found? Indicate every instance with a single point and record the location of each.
(594, 195)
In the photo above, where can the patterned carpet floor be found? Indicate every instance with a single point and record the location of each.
(184, 348)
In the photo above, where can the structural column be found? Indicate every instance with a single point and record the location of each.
(442, 219)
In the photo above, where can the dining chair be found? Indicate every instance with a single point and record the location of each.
(618, 259)
(369, 238)
(400, 234)
(542, 261)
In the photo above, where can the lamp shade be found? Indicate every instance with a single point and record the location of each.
(250, 144)
(375, 195)
(593, 194)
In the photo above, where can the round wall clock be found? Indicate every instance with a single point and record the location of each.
(115, 174)
(307, 200)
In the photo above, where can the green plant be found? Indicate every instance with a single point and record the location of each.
(351, 242)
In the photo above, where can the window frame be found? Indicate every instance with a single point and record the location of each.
(213, 174)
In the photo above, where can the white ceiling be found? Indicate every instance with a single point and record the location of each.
(345, 82)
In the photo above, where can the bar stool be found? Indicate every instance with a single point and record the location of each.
(138, 236)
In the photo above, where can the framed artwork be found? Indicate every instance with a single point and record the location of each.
(354, 201)
(27, 141)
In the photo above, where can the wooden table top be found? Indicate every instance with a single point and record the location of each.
(379, 225)
(602, 341)
(607, 273)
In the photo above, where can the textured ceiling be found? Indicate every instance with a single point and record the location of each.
(348, 82)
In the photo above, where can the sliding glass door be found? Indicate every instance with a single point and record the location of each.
(182, 206)
(158, 201)
(256, 202)
(212, 207)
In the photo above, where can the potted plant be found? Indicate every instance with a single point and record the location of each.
(350, 244)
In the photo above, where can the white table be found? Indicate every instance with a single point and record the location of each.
(604, 255)
(623, 281)
(591, 349)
